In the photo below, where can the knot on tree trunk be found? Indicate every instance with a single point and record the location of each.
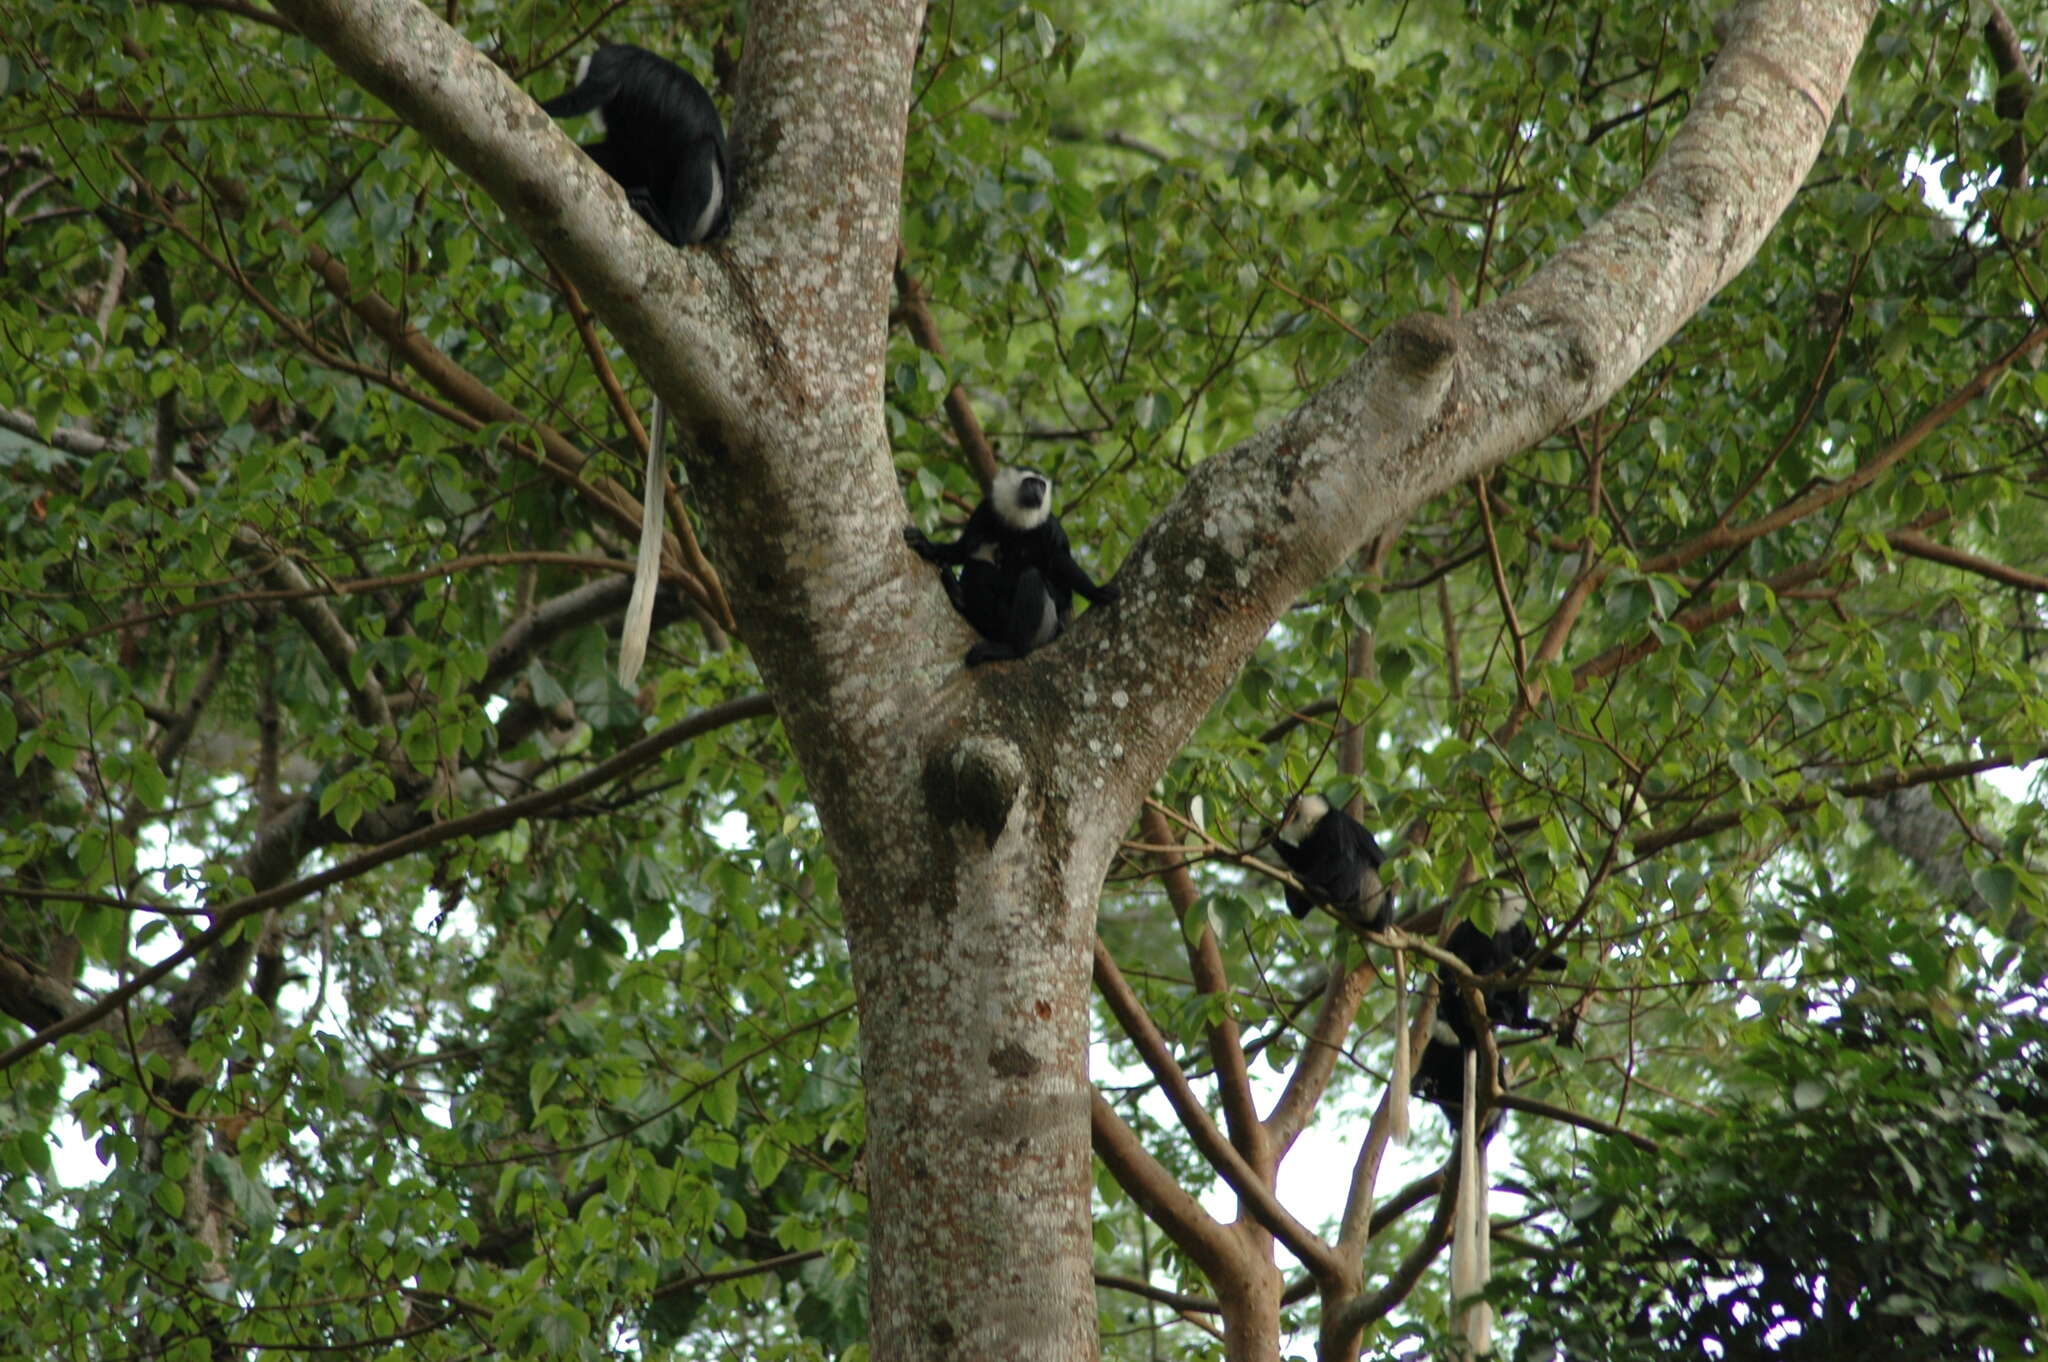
(974, 781)
(1418, 350)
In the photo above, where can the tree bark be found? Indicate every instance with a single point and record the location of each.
(1930, 838)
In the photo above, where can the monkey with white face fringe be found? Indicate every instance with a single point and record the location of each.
(1337, 862)
(663, 142)
(1017, 577)
(1508, 949)
(1440, 1073)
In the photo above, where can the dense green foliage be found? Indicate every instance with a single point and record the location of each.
(1881, 1194)
(277, 590)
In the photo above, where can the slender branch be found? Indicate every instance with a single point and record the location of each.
(1518, 649)
(733, 1274)
(1405, 1200)
(1313, 709)
(1159, 1193)
(1572, 1118)
(231, 915)
(924, 329)
(1920, 546)
(1205, 963)
(1359, 1221)
(1609, 124)
(411, 346)
(585, 323)
(1319, 1055)
(1650, 843)
(254, 14)
(1198, 1304)
(1692, 621)
(1257, 1196)
(330, 638)
(1724, 537)
(356, 586)
(718, 606)
(1362, 1310)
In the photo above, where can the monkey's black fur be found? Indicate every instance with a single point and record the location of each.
(1016, 575)
(663, 142)
(1335, 859)
(1440, 1073)
(1509, 950)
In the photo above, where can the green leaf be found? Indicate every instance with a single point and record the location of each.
(1997, 884)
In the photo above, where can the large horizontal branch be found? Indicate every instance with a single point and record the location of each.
(1433, 403)
(231, 915)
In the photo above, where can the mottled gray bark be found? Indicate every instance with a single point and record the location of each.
(1925, 834)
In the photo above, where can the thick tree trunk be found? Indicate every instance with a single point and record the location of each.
(973, 982)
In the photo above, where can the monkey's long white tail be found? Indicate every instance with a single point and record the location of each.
(1471, 1255)
(639, 620)
(1397, 1095)
(1481, 1334)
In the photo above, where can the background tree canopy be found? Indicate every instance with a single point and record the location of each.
(533, 1031)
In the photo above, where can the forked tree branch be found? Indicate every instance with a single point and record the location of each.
(1250, 1186)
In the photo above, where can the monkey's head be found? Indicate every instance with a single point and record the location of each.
(1022, 497)
(1304, 813)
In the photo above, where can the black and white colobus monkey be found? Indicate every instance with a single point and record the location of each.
(1017, 577)
(1448, 1075)
(1440, 1073)
(662, 142)
(1509, 949)
(1337, 862)
(664, 145)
